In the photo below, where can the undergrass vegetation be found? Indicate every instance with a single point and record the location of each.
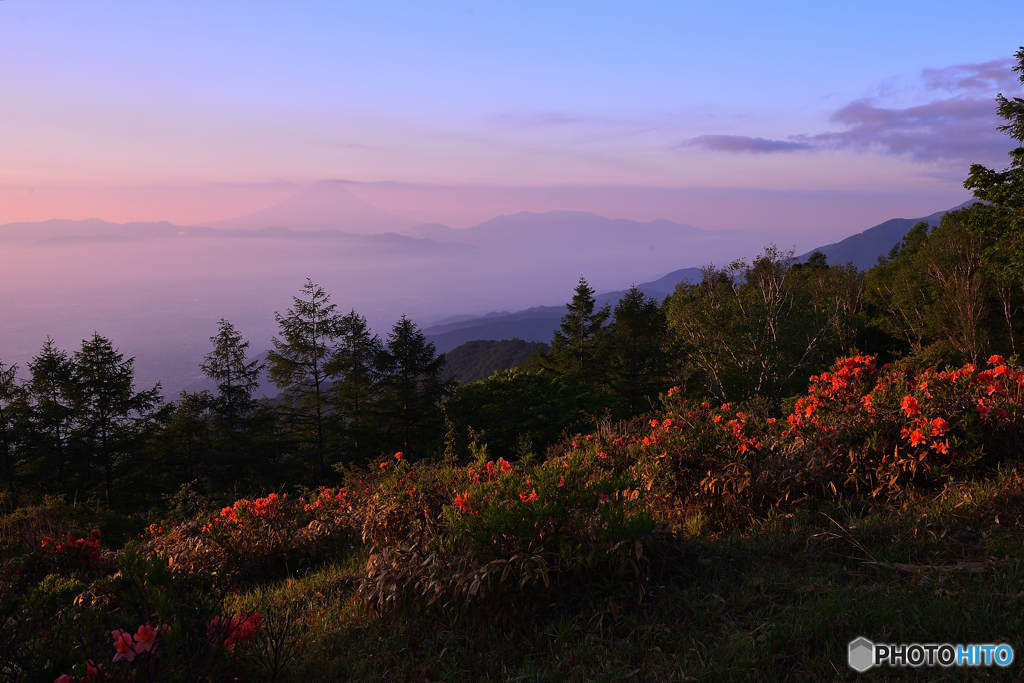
(701, 543)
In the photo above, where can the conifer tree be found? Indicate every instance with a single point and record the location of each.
(411, 388)
(576, 347)
(236, 376)
(110, 416)
(13, 406)
(355, 371)
(638, 355)
(232, 409)
(51, 391)
(298, 366)
(999, 216)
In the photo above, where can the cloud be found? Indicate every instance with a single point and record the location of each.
(953, 131)
(985, 78)
(742, 143)
(957, 126)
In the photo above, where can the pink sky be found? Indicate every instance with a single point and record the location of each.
(799, 116)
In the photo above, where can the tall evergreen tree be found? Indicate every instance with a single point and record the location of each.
(638, 354)
(51, 390)
(576, 347)
(355, 371)
(231, 410)
(297, 366)
(13, 405)
(412, 389)
(236, 376)
(188, 435)
(110, 416)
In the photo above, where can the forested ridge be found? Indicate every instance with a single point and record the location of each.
(376, 515)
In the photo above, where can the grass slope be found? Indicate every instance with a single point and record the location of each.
(479, 359)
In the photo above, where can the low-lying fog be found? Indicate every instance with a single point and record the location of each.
(159, 298)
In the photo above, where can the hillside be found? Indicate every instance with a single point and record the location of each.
(538, 323)
(479, 359)
(864, 248)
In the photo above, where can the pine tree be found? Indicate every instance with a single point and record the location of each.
(999, 216)
(236, 376)
(355, 371)
(576, 346)
(51, 390)
(297, 366)
(411, 388)
(232, 409)
(638, 355)
(110, 416)
(13, 405)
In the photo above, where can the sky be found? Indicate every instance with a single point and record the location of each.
(807, 116)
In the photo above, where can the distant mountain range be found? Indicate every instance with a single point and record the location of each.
(157, 288)
(326, 205)
(864, 248)
(540, 322)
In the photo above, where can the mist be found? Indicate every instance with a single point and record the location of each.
(159, 294)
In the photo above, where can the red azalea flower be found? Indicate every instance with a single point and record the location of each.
(123, 644)
(145, 638)
(528, 498)
(911, 406)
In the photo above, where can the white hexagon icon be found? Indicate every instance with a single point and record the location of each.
(862, 654)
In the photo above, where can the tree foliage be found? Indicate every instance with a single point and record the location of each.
(298, 366)
(576, 345)
(761, 329)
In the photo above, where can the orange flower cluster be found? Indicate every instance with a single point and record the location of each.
(144, 641)
(235, 630)
(262, 509)
(327, 500)
(463, 501)
(93, 674)
(489, 472)
(83, 551)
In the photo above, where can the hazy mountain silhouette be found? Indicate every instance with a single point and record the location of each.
(326, 205)
(539, 323)
(864, 248)
(584, 231)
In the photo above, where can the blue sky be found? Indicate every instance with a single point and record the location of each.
(195, 111)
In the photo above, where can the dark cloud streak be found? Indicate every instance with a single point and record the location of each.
(742, 143)
(951, 131)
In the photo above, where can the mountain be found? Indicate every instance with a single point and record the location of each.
(57, 231)
(864, 248)
(95, 231)
(326, 205)
(580, 231)
(479, 359)
(539, 323)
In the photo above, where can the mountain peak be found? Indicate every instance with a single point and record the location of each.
(324, 205)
